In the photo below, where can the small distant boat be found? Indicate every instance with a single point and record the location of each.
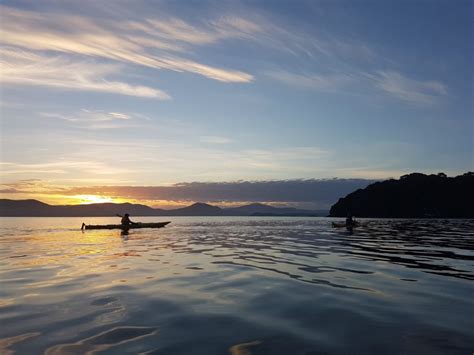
(344, 225)
(124, 227)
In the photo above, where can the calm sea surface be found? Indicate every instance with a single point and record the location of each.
(230, 285)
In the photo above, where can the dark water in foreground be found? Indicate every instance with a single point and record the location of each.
(237, 286)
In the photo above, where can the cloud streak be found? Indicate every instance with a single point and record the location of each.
(167, 42)
(323, 82)
(61, 167)
(98, 119)
(389, 83)
(28, 68)
(409, 90)
(153, 43)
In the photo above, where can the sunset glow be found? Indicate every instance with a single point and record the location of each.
(87, 199)
(145, 96)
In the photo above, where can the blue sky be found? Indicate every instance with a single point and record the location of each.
(157, 93)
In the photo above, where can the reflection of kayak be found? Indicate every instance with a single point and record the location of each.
(344, 225)
(120, 226)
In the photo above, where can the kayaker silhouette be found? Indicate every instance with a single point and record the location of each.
(126, 220)
(349, 220)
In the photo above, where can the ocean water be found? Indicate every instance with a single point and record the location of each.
(230, 285)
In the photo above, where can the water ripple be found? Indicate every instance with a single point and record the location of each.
(239, 286)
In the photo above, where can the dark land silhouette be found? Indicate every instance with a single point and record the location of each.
(34, 208)
(412, 196)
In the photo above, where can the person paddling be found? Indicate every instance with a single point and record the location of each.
(126, 220)
(349, 221)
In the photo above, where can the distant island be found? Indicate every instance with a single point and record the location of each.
(34, 208)
(412, 196)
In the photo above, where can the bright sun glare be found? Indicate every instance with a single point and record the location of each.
(86, 199)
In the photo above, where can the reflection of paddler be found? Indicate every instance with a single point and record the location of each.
(344, 225)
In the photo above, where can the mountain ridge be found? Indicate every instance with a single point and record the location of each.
(35, 208)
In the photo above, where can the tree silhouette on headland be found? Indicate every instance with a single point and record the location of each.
(412, 196)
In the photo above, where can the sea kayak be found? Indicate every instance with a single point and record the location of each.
(344, 225)
(123, 227)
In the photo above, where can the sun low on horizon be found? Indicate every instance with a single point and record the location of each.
(166, 103)
(89, 199)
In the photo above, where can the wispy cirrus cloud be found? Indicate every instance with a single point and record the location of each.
(153, 43)
(323, 82)
(165, 42)
(407, 89)
(61, 167)
(97, 119)
(28, 68)
(389, 83)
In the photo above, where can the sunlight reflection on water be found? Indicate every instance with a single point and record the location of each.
(237, 285)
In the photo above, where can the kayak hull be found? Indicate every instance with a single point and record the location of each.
(124, 227)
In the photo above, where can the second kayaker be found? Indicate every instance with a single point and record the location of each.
(349, 220)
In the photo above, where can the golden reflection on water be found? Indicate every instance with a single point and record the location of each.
(70, 254)
(243, 349)
(99, 259)
(103, 341)
(40, 251)
(6, 302)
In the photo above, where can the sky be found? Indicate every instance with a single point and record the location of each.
(132, 100)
